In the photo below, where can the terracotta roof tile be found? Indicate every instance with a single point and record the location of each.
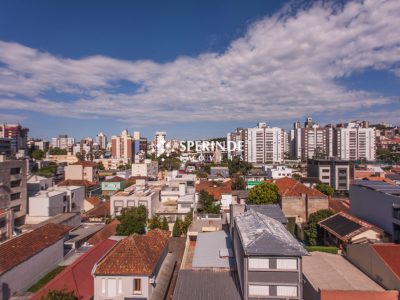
(109, 230)
(215, 188)
(21, 248)
(103, 209)
(115, 179)
(390, 254)
(136, 254)
(290, 187)
(77, 277)
(93, 200)
(339, 205)
(77, 182)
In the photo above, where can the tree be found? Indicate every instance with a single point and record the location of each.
(155, 222)
(237, 166)
(168, 162)
(59, 295)
(239, 183)
(325, 188)
(263, 193)
(187, 222)
(57, 151)
(207, 204)
(48, 170)
(132, 220)
(37, 154)
(100, 166)
(296, 176)
(81, 155)
(312, 231)
(164, 224)
(177, 230)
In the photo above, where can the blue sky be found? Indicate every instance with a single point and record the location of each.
(196, 69)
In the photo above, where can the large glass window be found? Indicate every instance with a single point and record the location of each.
(258, 263)
(286, 291)
(286, 264)
(258, 290)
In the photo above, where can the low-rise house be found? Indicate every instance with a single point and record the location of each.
(26, 258)
(6, 224)
(298, 201)
(342, 229)
(221, 191)
(136, 195)
(131, 269)
(112, 185)
(37, 183)
(377, 203)
(90, 187)
(276, 171)
(148, 168)
(82, 170)
(77, 277)
(380, 261)
(330, 277)
(268, 258)
(99, 213)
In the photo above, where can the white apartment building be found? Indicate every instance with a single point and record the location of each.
(62, 141)
(148, 169)
(101, 140)
(354, 142)
(141, 193)
(159, 140)
(264, 144)
(55, 200)
(276, 172)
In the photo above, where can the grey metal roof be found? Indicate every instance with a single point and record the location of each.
(379, 186)
(207, 285)
(207, 251)
(262, 235)
(270, 210)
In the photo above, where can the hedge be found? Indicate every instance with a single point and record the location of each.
(333, 250)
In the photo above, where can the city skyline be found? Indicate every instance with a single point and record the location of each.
(196, 79)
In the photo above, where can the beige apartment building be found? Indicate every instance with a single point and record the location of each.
(82, 170)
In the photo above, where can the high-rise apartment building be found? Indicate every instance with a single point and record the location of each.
(63, 142)
(17, 134)
(159, 142)
(101, 140)
(236, 136)
(310, 141)
(354, 141)
(264, 144)
(122, 146)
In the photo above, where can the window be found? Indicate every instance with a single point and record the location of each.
(111, 287)
(15, 171)
(286, 264)
(137, 286)
(15, 183)
(286, 291)
(15, 196)
(258, 290)
(3, 222)
(16, 208)
(131, 203)
(258, 263)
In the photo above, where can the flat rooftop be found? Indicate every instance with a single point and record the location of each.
(327, 271)
(379, 186)
(213, 250)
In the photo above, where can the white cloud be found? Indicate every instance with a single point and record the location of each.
(285, 67)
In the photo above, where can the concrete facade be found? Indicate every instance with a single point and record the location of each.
(13, 188)
(81, 172)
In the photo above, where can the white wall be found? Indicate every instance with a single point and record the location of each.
(25, 274)
(125, 286)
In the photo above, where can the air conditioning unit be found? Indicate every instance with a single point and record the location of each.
(152, 280)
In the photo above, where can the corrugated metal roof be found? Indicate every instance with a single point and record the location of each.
(270, 210)
(262, 235)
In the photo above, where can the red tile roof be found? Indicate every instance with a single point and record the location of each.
(23, 247)
(85, 163)
(103, 209)
(93, 200)
(215, 188)
(290, 187)
(77, 277)
(339, 205)
(77, 182)
(109, 230)
(135, 255)
(390, 254)
(115, 179)
(358, 295)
